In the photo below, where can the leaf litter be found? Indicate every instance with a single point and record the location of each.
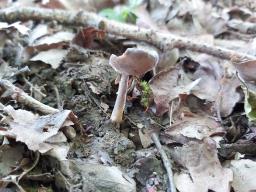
(196, 104)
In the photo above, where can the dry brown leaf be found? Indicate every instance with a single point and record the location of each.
(205, 170)
(168, 85)
(35, 130)
(86, 36)
(202, 78)
(247, 70)
(197, 127)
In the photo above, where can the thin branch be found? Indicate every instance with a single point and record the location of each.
(159, 39)
(20, 96)
(166, 162)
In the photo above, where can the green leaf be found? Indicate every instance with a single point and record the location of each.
(250, 104)
(111, 14)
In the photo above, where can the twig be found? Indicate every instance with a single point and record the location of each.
(16, 178)
(171, 112)
(159, 39)
(20, 96)
(166, 162)
(32, 87)
(58, 100)
(37, 154)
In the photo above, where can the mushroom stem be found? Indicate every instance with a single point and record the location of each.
(117, 113)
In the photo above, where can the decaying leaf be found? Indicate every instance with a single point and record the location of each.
(229, 95)
(202, 78)
(35, 131)
(62, 36)
(244, 171)
(247, 70)
(9, 158)
(52, 57)
(17, 25)
(197, 127)
(204, 169)
(86, 36)
(168, 85)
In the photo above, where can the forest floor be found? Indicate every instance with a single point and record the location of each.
(185, 71)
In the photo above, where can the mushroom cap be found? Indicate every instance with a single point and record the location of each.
(134, 61)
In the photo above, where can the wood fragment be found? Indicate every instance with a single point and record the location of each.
(20, 96)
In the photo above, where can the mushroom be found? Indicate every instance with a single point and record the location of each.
(135, 62)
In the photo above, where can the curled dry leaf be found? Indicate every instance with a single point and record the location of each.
(202, 79)
(205, 170)
(33, 130)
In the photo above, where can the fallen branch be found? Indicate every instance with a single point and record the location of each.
(20, 96)
(161, 40)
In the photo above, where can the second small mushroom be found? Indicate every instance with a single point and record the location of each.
(134, 62)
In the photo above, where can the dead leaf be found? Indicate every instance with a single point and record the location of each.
(9, 158)
(244, 175)
(52, 57)
(62, 36)
(168, 85)
(37, 32)
(35, 130)
(205, 170)
(194, 127)
(229, 96)
(17, 25)
(247, 70)
(86, 36)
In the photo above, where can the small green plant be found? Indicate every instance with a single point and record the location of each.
(123, 14)
(146, 93)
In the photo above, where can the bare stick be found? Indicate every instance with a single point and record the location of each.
(166, 162)
(159, 39)
(20, 96)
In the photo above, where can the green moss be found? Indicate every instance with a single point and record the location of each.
(146, 93)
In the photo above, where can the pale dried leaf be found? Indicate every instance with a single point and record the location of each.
(34, 131)
(244, 175)
(62, 36)
(17, 25)
(205, 170)
(52, 57)
(168, 85)
(229, 95)
(37, 32)
(197, 127)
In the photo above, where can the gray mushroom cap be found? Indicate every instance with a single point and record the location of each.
(134, 61)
